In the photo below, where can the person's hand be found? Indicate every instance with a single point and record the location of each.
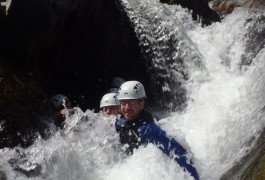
(62, 111)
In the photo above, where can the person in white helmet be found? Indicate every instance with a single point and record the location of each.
(137, 127)
(110, 104)
(60, 102)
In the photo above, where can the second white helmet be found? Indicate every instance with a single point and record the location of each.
(131, 90)
(109, 99)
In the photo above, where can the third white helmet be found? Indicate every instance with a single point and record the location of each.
(131, 90)
(109, 99)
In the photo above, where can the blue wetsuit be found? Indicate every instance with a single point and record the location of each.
(143, 130)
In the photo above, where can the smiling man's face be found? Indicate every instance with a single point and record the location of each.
(131, 108)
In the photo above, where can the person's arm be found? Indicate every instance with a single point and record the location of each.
(151, 133)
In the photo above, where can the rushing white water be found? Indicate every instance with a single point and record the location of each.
(223, 117)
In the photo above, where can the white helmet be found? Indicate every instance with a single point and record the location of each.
(57, 100)
(131, 90)
(117, 82)
(109, 99)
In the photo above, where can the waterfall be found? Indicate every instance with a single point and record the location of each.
(171, 55)
(222, 118)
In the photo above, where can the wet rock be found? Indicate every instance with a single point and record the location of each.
(21, 163)
(200, 10)
(255, 39)
(24, 108)
(26, 167)
(223, 7)
(227, 6)
(252, 166)
(3, 175)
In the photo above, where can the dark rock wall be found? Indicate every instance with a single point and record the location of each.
(72, 47)
(24, 108)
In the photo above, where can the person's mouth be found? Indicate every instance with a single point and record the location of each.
(129, 112)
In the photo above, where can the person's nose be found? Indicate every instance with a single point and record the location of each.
(108, 111)
(127, 106)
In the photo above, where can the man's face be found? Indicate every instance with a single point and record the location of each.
(111, 110)
(131, 108)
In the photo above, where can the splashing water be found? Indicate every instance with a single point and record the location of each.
(223, 117)
(170, 52)
(225, 113)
